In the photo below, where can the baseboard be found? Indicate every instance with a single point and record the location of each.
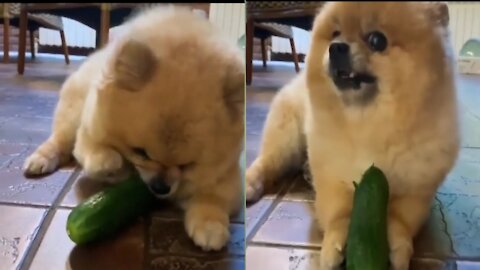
(286, 57)
(83, 51)
(54, 49)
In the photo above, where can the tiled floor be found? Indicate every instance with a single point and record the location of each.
(33, 213)
(281, 233)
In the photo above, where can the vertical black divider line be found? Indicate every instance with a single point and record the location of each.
(146, 240)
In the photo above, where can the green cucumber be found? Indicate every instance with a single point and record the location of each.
(367, 242)
(110, 210)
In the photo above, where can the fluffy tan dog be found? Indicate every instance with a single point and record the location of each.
(167, 97)
(378, 88)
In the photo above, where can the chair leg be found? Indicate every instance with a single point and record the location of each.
(98, 39)
(22, 41)
(32, 43)
(6, 40)
(249, 50)
(64, 46)
(295, 56)
(264, 53)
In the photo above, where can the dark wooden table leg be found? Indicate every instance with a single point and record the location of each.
(32, 43)
(104, 24)
(22, 40)
(249, 50)
(98, 39)
(6, 39)
(264, 53)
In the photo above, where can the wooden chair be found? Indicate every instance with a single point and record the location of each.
(267, 30)
(293, 13)
(99, 16)
(11, 16)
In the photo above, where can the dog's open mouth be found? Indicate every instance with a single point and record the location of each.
(351, 80)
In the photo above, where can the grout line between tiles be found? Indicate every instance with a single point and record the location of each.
(65, 207)
(317, 249)
(237, 223)
(37, 206)
(270, 209)
(32, 249)
(284, 246)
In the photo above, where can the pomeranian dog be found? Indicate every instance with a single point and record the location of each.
(378, 88)
(166, 98)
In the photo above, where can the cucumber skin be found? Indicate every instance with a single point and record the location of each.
(110, 210)
(367, 242)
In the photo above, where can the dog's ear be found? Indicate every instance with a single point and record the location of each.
(438, 12)
(234, 89)
(133, 65)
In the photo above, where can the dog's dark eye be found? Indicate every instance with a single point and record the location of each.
(335, 34)
(141, 152)
(377, 41)
(186, 166)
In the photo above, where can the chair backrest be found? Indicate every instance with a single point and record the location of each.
(12, 10)
(9, 10)
(281, 5)
(273, 29)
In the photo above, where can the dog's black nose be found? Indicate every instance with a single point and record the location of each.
(340, 60)
(337, 49)
(159, 187)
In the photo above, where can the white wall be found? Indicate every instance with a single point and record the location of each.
(229, 18)
(301, 38)
(464, 22)
(76, 34)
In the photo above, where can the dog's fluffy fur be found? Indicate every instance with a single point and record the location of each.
(408, 128)
(173, 87)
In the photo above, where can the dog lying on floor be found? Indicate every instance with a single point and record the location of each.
(166, 97)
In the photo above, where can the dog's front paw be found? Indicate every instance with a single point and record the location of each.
(400, 243)
(37, 164)
(254, 183)
(331, 256)
(207, 227)
(106, 165)
(401, 251)
(332, 253)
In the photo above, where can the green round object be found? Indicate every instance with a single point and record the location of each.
(471, 48)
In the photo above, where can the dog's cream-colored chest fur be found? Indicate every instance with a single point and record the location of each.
(344, 141)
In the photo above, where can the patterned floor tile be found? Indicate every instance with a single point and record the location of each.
(18, 228)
